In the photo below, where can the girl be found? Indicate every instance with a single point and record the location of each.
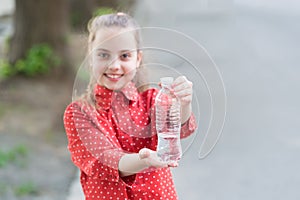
(111, 129)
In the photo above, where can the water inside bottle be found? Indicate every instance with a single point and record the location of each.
(169, 147)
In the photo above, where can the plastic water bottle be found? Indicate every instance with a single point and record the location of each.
(168, 123)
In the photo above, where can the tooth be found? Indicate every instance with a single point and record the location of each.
(113, 76)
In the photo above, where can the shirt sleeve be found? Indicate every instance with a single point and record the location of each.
(91, 149)
(188, 127)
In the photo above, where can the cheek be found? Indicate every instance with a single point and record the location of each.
(98, 69)
(130, 68)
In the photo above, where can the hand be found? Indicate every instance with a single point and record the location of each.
(152, 160)
(183, 90)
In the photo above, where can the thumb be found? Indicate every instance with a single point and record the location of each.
(144, 153)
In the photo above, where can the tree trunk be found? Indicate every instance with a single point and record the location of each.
(82, 11)
(40, 21)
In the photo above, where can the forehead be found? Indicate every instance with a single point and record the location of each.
(115, 39)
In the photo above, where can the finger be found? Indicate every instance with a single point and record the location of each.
(144, 153)
(156, 161)
(183, 93)
(159, 164)
(174, 164)
(187, 99)
(179, 80)
(182, 86)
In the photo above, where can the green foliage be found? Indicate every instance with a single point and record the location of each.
(26, 189)
(103, 11)
(6, 69)
(13, 155)
(23, 189)
(7, 42)
(39, 60)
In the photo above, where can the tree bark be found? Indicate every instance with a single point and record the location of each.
(40, 21)
(82, 11)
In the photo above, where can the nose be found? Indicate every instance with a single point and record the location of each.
(114, 65)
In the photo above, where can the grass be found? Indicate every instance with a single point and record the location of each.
(15, 155)
(26, 188)
(3, 188)
(23, 189)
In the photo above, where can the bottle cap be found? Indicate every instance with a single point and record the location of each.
(166, 80)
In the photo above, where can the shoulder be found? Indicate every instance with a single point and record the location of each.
(73, 106)
(80, 113)
(70, 110)
(77, 107)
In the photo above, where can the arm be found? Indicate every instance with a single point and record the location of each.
(131, 164)
(91, 149)
(97, 156)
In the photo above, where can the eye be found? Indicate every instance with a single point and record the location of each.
(103, 55)
(125, 56)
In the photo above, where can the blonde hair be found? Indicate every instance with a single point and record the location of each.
(118, 20)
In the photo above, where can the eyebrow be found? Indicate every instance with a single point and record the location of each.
(100, 49)
(122, 51)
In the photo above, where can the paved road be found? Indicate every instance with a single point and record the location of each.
(257, 53)
(75, 190)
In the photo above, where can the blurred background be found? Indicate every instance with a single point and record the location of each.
(255, 45)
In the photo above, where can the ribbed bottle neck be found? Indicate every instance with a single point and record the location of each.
(166, 87)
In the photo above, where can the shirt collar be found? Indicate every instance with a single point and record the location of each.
(130, 92)
(103, 95)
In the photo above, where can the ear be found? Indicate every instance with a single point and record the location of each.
(139, 58)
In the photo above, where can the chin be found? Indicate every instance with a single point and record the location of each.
(114, 86)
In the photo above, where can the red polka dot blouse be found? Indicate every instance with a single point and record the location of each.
(122, 122)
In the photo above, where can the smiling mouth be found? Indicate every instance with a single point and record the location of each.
(114, 76)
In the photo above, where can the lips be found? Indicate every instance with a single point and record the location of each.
(114, 76)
